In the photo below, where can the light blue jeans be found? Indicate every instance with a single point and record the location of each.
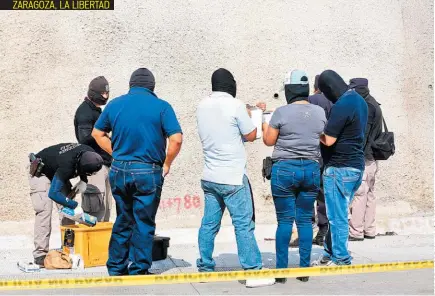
(340, 185)
(295, 184)
(238, 200)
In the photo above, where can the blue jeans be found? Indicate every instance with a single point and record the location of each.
(136, 188)
(295, 185)
(238, 200)
(340, 185)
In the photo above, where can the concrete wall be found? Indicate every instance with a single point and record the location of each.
(48, 58)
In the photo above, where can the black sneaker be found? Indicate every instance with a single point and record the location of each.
(40, 261)
(320, 237)
(355, 239)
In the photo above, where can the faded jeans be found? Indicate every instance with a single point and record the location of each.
(340, 185)
(238, 200)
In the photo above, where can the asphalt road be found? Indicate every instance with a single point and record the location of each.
(415, 282)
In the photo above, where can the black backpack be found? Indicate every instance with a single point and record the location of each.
(383, 147)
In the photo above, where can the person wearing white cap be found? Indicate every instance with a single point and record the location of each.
(294, 130)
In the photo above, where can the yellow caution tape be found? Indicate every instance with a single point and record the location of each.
(183, 278)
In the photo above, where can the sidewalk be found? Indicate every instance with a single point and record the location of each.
(183, 252)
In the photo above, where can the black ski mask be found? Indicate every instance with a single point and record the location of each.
(223, 80)
(96, 87)
(361, 86)
(332, 85)
(143, 77)
(89, 163)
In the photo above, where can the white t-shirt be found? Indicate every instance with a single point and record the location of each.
(222, 121)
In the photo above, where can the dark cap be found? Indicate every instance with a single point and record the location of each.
(90, 162)
(143, 77)
(354, 82)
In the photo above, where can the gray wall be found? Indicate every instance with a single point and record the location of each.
(48, 58)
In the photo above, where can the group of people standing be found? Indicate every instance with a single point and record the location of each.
(127, 149)
(324, 137)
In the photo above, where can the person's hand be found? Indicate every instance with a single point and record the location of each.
(262, 106)
(80, 187)
(248, 109)
(166, 169)
(78, 211)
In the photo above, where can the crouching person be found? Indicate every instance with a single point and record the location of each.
(223, 122)
(50, 172)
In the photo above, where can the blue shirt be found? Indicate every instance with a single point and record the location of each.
(347, 122)
(140, 123)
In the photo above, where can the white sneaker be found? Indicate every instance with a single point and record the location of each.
(331, 263)
(323, 261)
(255, 283)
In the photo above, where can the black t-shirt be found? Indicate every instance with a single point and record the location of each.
(61, 159)
(347, 122)
(84, 120)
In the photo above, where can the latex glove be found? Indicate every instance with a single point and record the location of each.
(78, 211)
(80, 187)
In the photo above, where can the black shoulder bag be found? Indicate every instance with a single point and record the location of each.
(383, 147)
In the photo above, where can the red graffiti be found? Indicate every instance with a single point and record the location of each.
(188, 203)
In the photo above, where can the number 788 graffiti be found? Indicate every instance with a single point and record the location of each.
(188, 202)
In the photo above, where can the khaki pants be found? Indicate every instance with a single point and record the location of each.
(97, 199)
(43, 207)
(363, 209)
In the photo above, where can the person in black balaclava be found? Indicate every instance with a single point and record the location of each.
(98, 91)
(143, 77)
(343, 162)
(294, 132)
(146, 137)
(97, 199)
(62, 162)
(332, 85)
(296, 87)
(223, 80)
(363, 209)
(223, 124)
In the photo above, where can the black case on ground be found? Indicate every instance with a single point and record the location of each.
(160, 247)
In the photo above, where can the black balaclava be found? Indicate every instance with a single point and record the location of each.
(143, 77)
(361, 86)
(332, 85)
(223, 80)
(89, 163)
(97, 86)
(297, 87)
